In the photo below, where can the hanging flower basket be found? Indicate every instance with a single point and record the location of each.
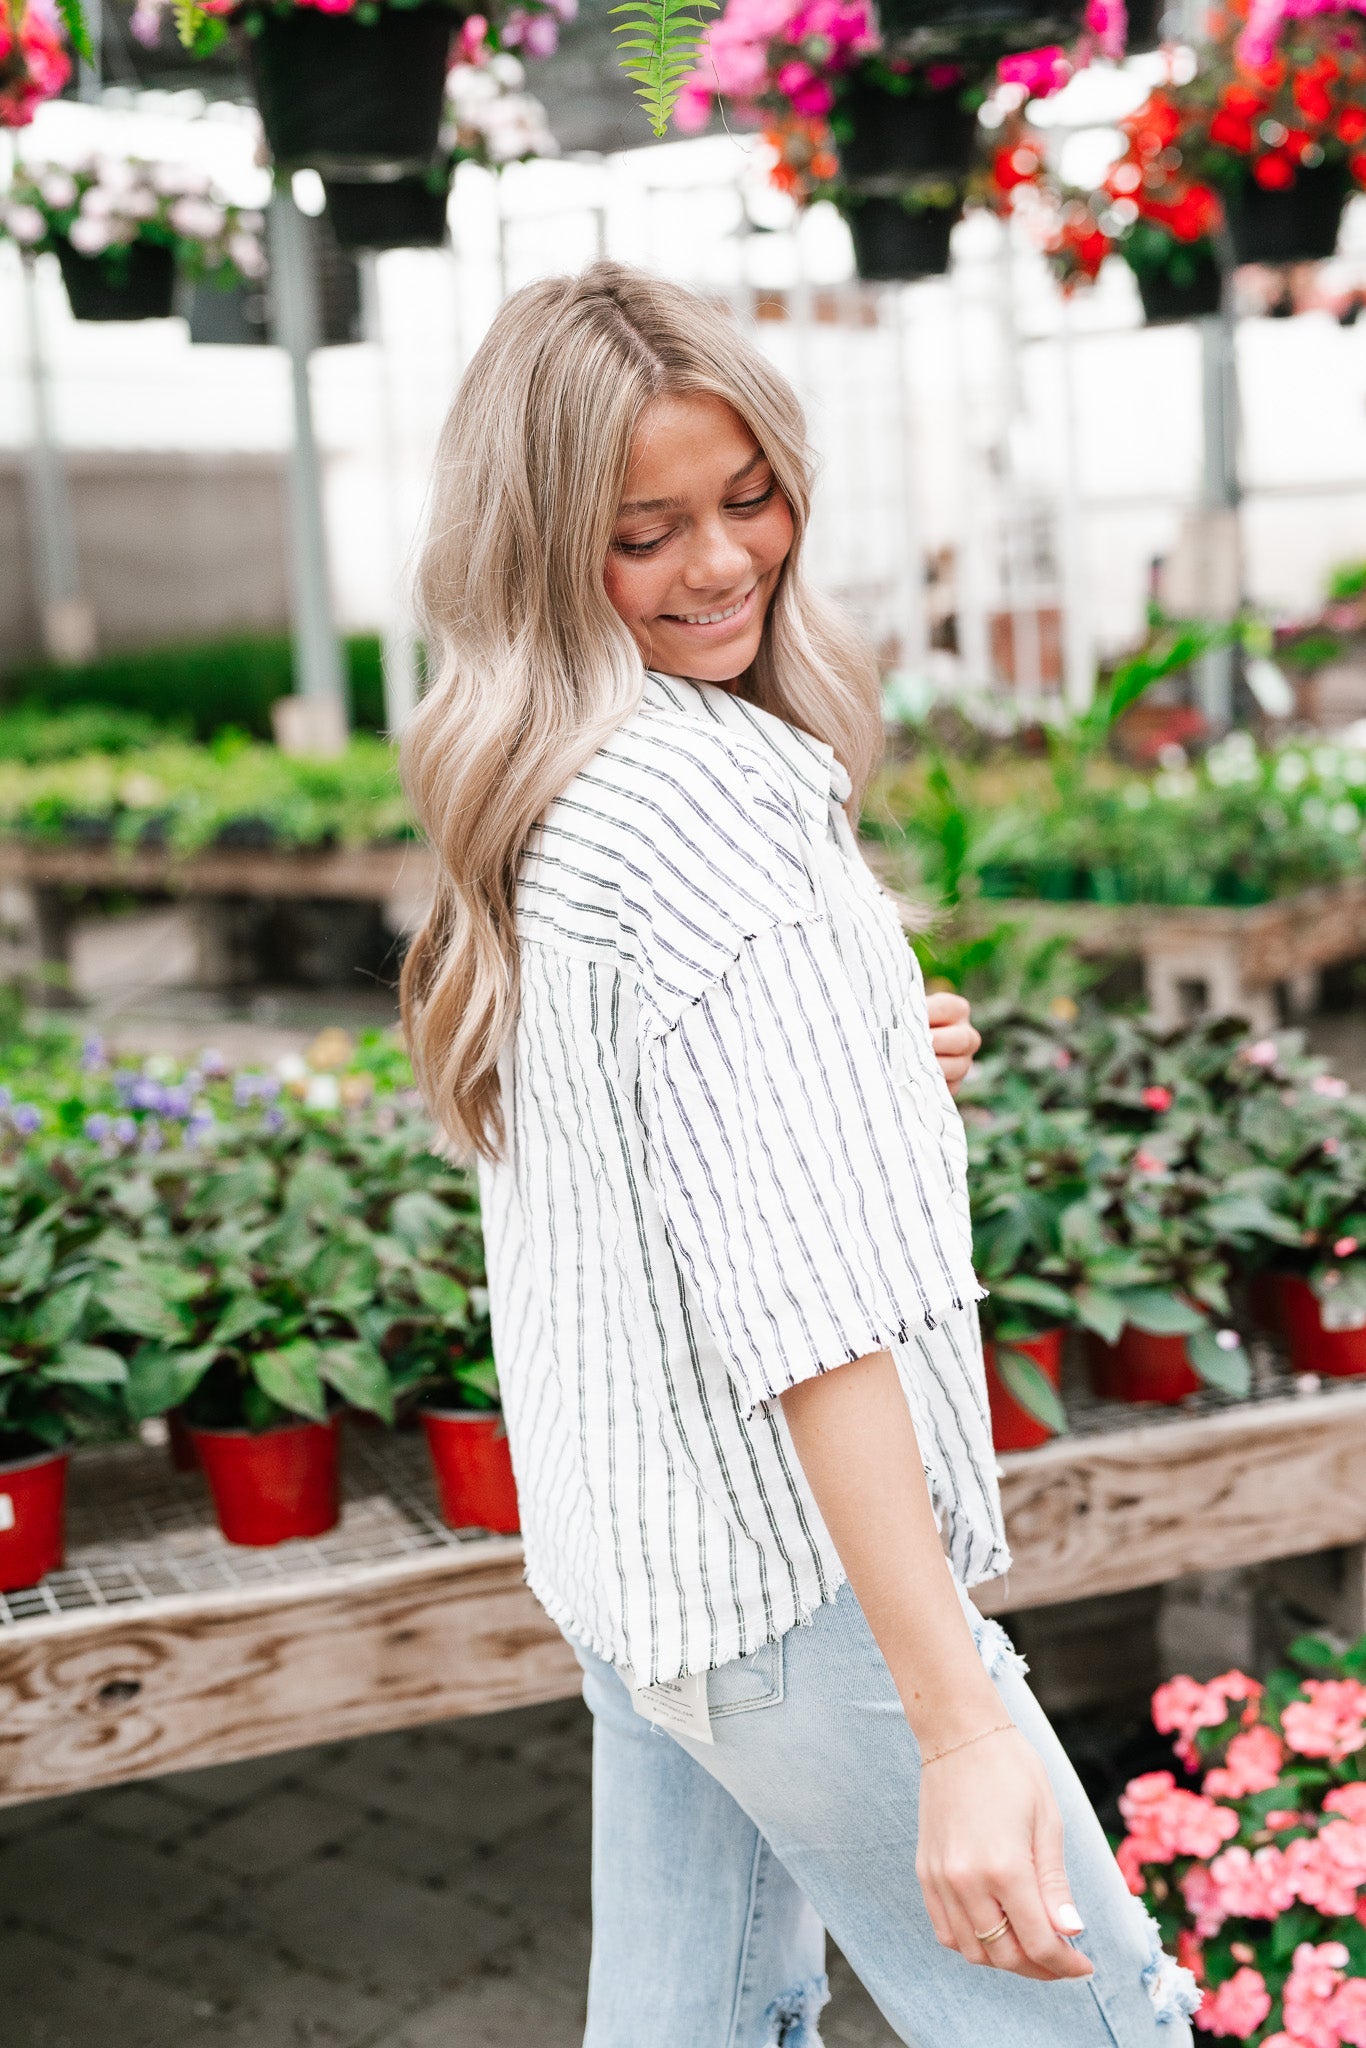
(1188, 289)
(32, 1516)
(273, 1485)
(1340, 1354)
(135, 283)
(894, 243)
(346, 96)
(473, 1468)
(913, 26)
(1295, 224)
(1144, 29)
(400, 213)
(916, 133)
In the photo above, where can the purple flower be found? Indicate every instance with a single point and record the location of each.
(212, 1064)
(541, 35)
(26, 1118)
(176, 1101)
(93, 1056)
(199, 1126)
(151, 1137)
(274, 1119)
(97, 1126)
(124, 1130)
(5, 1098)
(249, 1088)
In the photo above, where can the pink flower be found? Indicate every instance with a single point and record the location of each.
(1040, 72)
(1201, 1895)
(1183, 1705)
(1108, 22)
(1328, 1084)
(1238, 2007)
(1315, 1977)
(1348, 1800)
(1349, 2011)
(1329, 1869)
(1331, 1722)
(1264, 1053)
(1148, 1162)
(541, 35)
(1332, 1147)
(473, 43)
(1253, 1886)
(1253, 1764)
(1129, 1857)
(692, 109)
(808, 93)
(1157, 1098)
(1283, 1817)
(1167, 1821)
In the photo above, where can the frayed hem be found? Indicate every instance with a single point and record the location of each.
(1172, 1990)
(791, 2019)
(996, 1650)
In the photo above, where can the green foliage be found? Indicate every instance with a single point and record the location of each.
(32, 734)
(657, 46)
(205, 684)
(73, 20)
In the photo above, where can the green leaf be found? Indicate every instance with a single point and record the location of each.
(159, 1379)
(442, 1295)
(59, 1313)
(1160, 1311)
(1031, 1387)
(1100, 1311)
(359, 1375)
(319, 1190)
(479, 1377)
(1044, 1294)
(657, 47)
(25, 1269)
(291, 1377)
(86, 1365)
(1228, 1369)
(244, 1312)
(138, 1310)
(1313, 1651)
(420, 1222)
(78, 35)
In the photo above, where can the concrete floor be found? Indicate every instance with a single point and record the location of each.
(422, 1890)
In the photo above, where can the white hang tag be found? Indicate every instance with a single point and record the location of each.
(678, 1704)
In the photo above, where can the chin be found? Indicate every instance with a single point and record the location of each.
(718, 664)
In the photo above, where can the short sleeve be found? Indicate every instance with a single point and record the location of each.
(806, 1211)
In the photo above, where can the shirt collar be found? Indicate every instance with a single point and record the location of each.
(820, 778)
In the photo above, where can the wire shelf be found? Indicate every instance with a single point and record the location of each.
(137, 1530)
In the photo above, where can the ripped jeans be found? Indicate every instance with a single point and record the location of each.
(717, 1868)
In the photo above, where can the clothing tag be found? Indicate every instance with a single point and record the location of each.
(678, 1704)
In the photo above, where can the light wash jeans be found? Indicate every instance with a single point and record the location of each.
(717, 1868)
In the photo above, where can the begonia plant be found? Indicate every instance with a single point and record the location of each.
(34, 61)
(103, 205)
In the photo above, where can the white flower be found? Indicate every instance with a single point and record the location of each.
(197, 219)
(90, 237)
(291, 1066)
(26, 224)
(97, 203)
(141, 204)
(323, 1092)
(246, 252)
(508, 70)
(59, 189)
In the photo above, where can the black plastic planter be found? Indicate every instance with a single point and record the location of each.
(132, 283)
(1145, 25)
(347, 97)
(912, 25)
(919, 134)
(401, 213)
(893, 244)
(1299, 225)
(1193, 293)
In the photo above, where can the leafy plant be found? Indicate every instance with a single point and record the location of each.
(657, 48)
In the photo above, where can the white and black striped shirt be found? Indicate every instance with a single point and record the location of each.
(732, 1163)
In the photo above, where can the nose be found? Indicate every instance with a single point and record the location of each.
(717, 558)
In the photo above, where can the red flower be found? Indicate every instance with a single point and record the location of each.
(1234, 131)
(1274, 173)
(1311, 99)
(1351, 125)
(1240, 99)
(1157, 1098)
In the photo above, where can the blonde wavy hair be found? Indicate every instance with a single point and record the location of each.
(530, 668)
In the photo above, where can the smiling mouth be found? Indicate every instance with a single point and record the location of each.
(712, 618)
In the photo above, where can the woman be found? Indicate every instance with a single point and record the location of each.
(664, 1002)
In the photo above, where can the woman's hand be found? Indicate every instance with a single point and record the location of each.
(991, 1847)
(955, 1039)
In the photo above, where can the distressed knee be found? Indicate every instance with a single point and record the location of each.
(1173, 1990)
(791, 2019)
(995, 1648)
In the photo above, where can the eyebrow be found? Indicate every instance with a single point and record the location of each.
(676, 504)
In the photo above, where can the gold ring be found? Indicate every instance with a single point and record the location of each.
(993, 1933)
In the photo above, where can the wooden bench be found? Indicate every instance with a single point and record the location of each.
(160, 1647)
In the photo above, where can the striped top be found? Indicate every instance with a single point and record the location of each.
(732, 1163)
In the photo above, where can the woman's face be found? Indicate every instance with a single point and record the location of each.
(701, 536)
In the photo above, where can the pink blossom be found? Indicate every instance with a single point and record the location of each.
(809, 93)
(474, 33)
(1315, 1976)
(1329, 1868)
(1264, 1053)
(1348, 1800)
(1331, 1722)
(1253, 1886)
(1157, 1098)
(692, 109)
(1108, 22)
(1238, 2007)
(1167, 1821)
(1344, 1247)
(541, 36)
(1201, 1895)
(1253, 1764)
(1349, 2011)
(1332, 1147)
(1183, 1705)
(1328, 1084)
(1148, 1162)
(1282, 1817)
(1040, 72)
(1129, 1857)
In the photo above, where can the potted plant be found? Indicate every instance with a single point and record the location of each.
(120, 228)
(463, 1421)
(34, 64)
(1253, 1864)
(489, 119)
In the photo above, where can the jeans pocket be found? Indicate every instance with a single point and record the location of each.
(747, 1682)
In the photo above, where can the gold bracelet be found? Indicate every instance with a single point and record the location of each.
(1001, 1728)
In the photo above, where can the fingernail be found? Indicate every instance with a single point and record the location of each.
(1069, 1920)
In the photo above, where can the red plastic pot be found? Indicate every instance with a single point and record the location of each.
(272, 1486)
(1142, 1367)
(1265, 1302)
(1013, 1428)
(1341, 1354)
(179, 1442)
(473, 1467)
(32, 1518)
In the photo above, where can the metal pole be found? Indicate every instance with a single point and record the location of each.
(1220, 494)
(66, 622)
(1079, 659)
(399, 642)
(318, 671)
(914, 635)
(970, 568)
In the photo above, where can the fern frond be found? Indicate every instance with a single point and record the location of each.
(657, 48)
(77, 34)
